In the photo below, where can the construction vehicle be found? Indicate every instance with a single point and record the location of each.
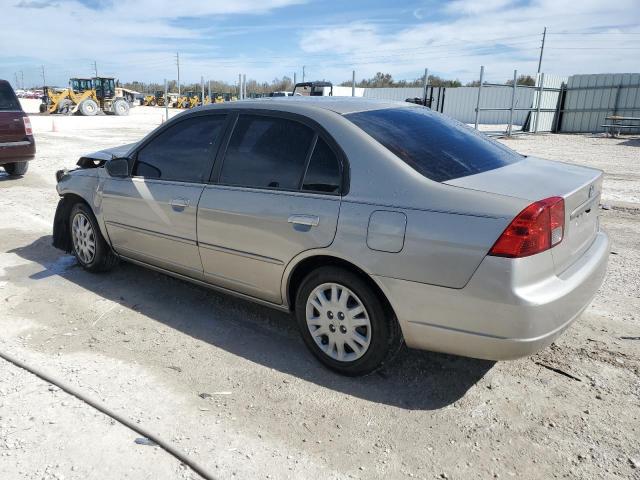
(160, 98)
(194, 99)
(182, 101)
(313, 89)
(86, 96)
(188, 100)
(153, 100)
(148, 101)
(128, 95)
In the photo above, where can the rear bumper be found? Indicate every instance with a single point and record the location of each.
(22, 151)
(509, 309)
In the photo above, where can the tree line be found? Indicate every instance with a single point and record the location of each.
(285, 83)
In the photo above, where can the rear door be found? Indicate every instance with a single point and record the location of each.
(276, 194)
(151, 216)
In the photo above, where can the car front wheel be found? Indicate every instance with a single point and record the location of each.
(89, 246)
(345, 323)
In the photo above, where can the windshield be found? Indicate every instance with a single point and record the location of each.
(436, 146)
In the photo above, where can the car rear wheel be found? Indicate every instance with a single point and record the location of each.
(16, 169)
(89, 246)
(344, 322)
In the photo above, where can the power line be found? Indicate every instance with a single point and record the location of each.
(594, 33)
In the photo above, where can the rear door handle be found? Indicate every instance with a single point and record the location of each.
(309, 220)
(179, 203)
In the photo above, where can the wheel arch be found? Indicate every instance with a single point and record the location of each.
(61, 237)
(299, 270)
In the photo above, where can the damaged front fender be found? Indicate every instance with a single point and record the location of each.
(61, 232)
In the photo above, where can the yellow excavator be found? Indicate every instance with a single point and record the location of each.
(86, 96)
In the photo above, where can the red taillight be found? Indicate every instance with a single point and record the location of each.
(537, 228)
(27, 126)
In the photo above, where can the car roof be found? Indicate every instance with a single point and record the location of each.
(304, 104)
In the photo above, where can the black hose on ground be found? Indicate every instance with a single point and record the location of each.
(200, 470)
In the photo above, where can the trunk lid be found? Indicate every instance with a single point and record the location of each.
(535, 179)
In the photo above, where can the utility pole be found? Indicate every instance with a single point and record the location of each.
(244, 85)
(239, 86)
(95, 67)
(44, 80)
(544, 36)
(294, 78)
(178, 65)
(202, 87)
(303, 73)
(22, 79)
(17, 84)
(210, 98)
(353, 83)
(425, 86)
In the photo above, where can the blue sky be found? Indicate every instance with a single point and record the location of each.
(137, 40)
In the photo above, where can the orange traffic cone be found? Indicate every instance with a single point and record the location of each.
(53, 125)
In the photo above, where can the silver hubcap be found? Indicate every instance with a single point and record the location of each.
(338, 322)
(84, 240)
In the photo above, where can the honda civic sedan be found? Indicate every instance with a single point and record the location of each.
(375, 223)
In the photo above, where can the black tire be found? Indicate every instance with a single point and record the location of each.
(16, 169)
(385, 336)
(88, 107)
(43, 107)
(103, 259)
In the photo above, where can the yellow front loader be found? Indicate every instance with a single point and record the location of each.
(149, 101)
(86, 96)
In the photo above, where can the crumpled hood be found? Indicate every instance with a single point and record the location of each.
(109, 153)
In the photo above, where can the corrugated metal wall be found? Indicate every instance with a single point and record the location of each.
(591, 98)
(549, 101)
(460, 103)
(398, 94)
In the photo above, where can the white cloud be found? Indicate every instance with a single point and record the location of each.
(138, 39)
(135, 39)
(496, 33)
(473, 7)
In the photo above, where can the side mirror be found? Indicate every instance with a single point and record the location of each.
(118, 167)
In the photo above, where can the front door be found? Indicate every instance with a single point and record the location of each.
(277, 194)
(151, 216)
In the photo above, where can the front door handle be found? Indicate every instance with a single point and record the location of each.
(308, 220)
(179, 203)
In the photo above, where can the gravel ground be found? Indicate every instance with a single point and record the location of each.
(232, 384)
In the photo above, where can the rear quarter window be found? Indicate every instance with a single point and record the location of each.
(8, 99)
(436, 146)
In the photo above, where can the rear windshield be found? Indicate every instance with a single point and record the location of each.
(8, 100)
(438, 147)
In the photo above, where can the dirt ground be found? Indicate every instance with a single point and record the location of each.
(231, 383)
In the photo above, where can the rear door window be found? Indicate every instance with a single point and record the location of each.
(436, 146)
(8, 99)
(324, 174)
(266, 152)
(182, 152)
